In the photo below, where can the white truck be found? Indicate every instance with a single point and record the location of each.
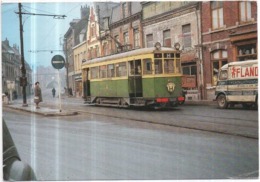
(238, 84)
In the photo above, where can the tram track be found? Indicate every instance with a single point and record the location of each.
(220, 128)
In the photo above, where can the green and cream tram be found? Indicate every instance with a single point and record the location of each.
(142, 77)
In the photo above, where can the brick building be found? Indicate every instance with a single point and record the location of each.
(229, 33)
(125, 27)
(170, 22)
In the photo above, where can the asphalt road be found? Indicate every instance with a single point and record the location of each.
(96, 147)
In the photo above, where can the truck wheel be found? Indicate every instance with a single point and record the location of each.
(222, 101)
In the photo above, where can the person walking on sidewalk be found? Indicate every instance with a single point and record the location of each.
(37, 94)
(53, 92)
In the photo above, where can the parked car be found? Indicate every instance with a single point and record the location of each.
(14, 169)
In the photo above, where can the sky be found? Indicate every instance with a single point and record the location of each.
(40, 32)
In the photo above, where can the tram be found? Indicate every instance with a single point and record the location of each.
(146, 77)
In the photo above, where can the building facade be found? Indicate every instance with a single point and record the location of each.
(126, 27)
(11, 61)
(74, 36)
(171, 22)
(229, 33)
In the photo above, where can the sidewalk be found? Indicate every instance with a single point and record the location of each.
(44, 109)
(50, 106)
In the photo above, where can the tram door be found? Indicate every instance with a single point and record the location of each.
(87, 84)
(135, 78)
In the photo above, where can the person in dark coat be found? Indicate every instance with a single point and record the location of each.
(53, 92)
(37, 94)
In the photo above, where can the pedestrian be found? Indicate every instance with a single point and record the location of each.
(53, 92)
(37, 94)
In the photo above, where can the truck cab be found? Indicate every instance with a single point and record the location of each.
(238, 84)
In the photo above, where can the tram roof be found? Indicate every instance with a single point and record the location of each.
(126, 54)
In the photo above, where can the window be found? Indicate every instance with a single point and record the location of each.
(97, 51)
(167, 38)
(186, 33)
(116, 38)
(245, 11)
(121, 69)
(105, 49)
(223, 75)
(149, 40)
(169, 66)
(246, 52)
(219, 58)
(147, 69)
(135, 67)
(158, 66)
(125, 10)
(136, 38)
(217, 14)
(110, 71)
(126, 38)
(189, 69)
(103, 71)
(94, 72)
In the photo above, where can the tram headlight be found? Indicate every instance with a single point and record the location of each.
(177, 46)
(157, 45)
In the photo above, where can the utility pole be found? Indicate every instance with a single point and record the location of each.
(67, 66)
(23, 79)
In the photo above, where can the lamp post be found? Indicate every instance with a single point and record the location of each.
(66, 65)
(23, 79)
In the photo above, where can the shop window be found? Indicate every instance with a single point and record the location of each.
(169, 66)
(246, 52)
(149, 40)
(167, 38)
(219, 58)
(245, 11)
(147, 69)
(121, 69)
(217, 14)
(158, 66)
(110, 71)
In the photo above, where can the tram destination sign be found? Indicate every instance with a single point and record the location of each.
(58, 61)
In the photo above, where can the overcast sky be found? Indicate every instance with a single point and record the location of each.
(40, 32)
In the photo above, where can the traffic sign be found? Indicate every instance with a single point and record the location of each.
(58, 61)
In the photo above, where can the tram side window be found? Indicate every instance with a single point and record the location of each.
(135, 67)
(169, 66)
(147, 69)
(178, 66)
(110, 71)
(103, 71)
(94, 72)
(121, 69)
(158, 66)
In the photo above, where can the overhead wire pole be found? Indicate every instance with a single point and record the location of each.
(23, 79)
